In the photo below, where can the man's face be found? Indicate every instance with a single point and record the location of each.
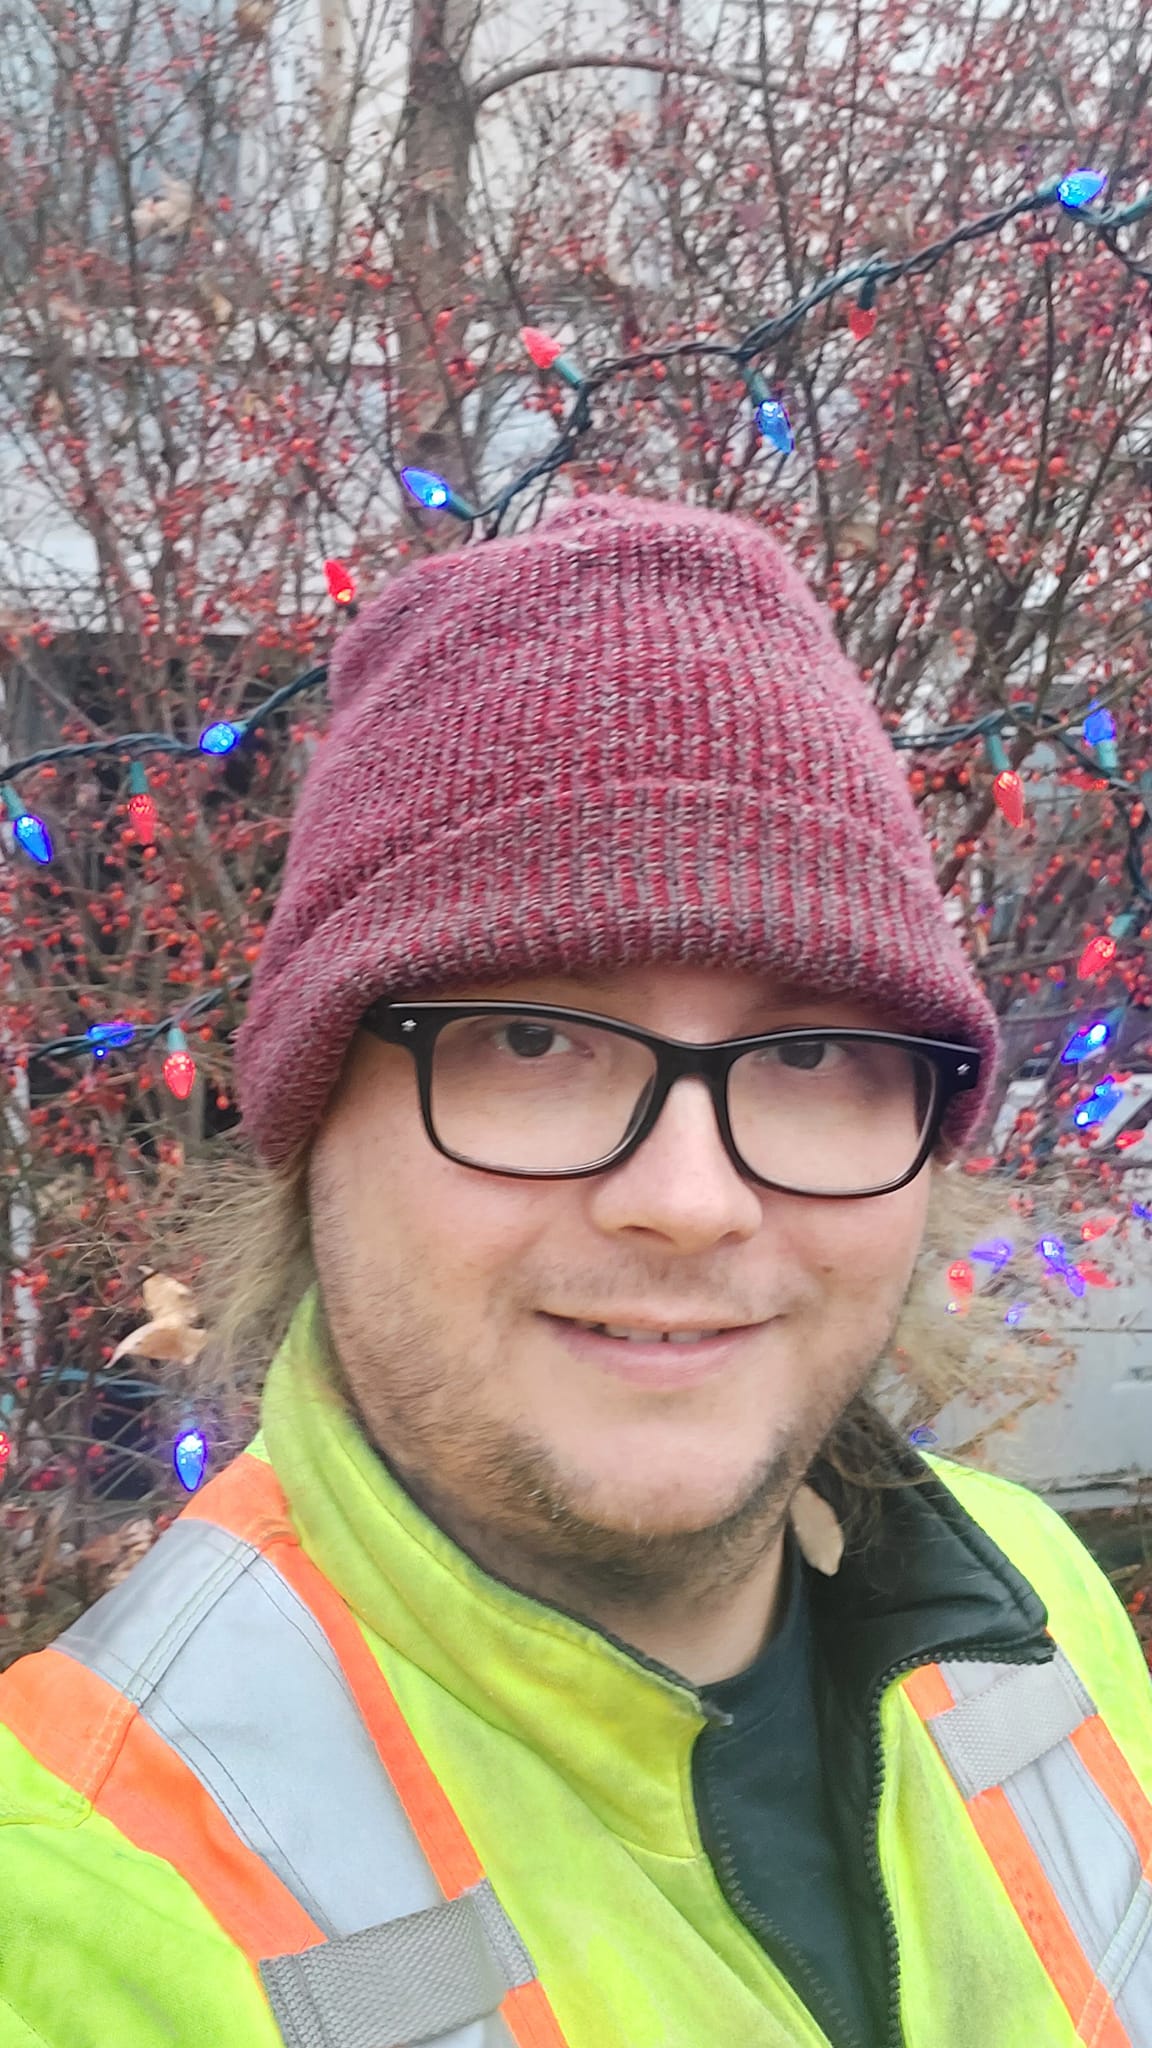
(439, 1286)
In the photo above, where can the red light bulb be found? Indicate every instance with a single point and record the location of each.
(141, 808)
(540, 346)
(5, 1450)
(961, 1278)
(180, 1074)
(1008, 791)
(1094, 1275)
(142, 811)
(179, 1068)
(862, 321)
(341, 588)
(1098, 954)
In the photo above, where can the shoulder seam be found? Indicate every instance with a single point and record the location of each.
(33, 2033)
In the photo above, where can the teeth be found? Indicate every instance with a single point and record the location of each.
(650, 1336)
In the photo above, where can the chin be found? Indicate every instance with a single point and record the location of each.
(667, 1505)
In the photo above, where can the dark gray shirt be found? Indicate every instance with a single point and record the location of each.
(762, 1799)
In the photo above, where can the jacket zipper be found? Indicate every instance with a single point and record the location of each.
(801, 1975)
(969, 1654)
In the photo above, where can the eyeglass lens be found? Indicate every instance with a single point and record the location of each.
(822, 1115)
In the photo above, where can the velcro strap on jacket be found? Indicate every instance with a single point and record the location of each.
(1025, 1712)
(407, 1981)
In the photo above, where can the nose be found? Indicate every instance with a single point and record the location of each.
(680, 1184)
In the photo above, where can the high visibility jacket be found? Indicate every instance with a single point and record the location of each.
(310, 1776)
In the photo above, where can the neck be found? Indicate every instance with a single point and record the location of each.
(715, 1636)
(704, 1630)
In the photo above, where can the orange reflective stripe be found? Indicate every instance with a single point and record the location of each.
(253, 1507)
(530, 2018)
(1107, 1764)
(69, 1720)
(929, 1691)
(248, 1501)
(86, 1733)
(450, 1854)
(1022, 1874)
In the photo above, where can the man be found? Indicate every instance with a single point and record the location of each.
(518, 1684)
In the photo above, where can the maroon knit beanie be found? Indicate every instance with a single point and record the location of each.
(628, 736)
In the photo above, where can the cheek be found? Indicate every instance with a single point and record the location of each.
(864, 1251)
(461, 1237)
(401, 1227)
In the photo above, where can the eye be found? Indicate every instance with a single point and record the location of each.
(527, 1036)
(808, 1054)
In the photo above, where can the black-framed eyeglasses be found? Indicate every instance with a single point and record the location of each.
(540, 1092)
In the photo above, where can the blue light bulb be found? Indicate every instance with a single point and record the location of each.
(1083, 1043)
(1074, 1281)
(1080, 188)
(1050, 1248)
(1099, 726)
(996, 1253)
(775, 425)
(1099, 1105)
(116, 1033)
(1142, 1210)
(1012, 1316)
(219, 738)
(922, 1436)
(429, 490)
(32, 834)
(190, 1457)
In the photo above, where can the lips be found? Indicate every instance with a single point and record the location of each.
(630, 1334)
(633, 1326)
(652, 1362)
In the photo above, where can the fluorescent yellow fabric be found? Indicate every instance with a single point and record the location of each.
(569, 1763)
(102, 1946)
(970, 1973)
(586, 1747)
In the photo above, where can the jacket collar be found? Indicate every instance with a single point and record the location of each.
(926, 1578)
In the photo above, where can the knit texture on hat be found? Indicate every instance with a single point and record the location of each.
(627, 736)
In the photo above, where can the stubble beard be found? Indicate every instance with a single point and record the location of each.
(409, 1404)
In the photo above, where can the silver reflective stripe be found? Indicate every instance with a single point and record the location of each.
(230, 1668)
(405, 1982)
(226, 1662)
(1125, 1970)
(1011, 1727)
